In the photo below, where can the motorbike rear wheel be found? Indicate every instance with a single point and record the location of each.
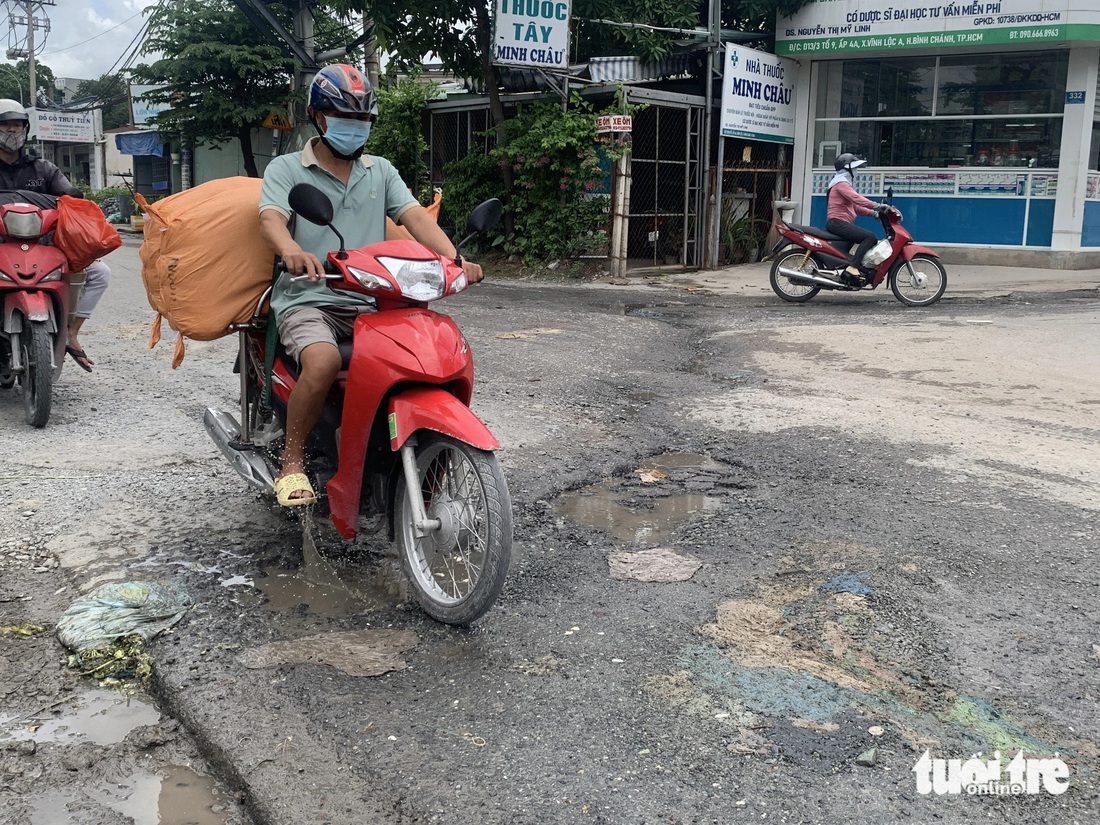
(919, 283)
(457, 571)
(37, 378)
(783, 286)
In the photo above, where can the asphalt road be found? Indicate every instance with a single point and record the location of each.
(880, 534)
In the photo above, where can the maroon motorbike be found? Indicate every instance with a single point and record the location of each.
(808, 260)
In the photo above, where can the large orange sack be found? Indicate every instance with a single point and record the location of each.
(204, 264)
(400, 233)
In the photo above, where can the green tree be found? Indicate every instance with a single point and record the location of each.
(398, 135)
(15, 83)
(111, 93)
(218, 74)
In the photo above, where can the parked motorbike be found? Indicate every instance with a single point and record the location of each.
(397, 436)
(36, 291)
(808, 260)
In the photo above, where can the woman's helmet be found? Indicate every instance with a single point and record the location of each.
(342, 88)
(848, 161)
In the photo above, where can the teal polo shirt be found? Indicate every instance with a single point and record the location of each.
(373, 192)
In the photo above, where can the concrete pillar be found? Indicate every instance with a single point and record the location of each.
(805, 151)
(1069, 204)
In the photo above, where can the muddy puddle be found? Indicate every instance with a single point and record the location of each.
(330, 588)
(639, 513)
(175, 795)
(100, 716)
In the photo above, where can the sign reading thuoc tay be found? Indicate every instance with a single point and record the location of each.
(531, 33)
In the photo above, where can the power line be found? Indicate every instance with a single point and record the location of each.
(93, 37)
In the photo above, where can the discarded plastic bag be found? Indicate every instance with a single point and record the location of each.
(121, 609)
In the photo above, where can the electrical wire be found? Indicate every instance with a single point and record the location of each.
(93, 37)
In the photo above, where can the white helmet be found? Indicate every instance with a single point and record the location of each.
(12, 111)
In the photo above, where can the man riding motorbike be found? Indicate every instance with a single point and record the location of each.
(844, 203)
(364, 189)
(20, 171)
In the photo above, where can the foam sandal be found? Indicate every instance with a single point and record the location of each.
(286, 486)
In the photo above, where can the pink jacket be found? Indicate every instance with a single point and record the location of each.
(845, 203)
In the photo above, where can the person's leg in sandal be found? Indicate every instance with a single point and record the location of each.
(294, 490)
(308, 337)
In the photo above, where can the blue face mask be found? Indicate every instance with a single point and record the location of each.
(346, 136)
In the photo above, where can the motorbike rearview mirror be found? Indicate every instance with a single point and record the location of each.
(311, 203)
(314, 205)
(484, 216)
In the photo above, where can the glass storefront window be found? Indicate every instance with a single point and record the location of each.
(1002, 84)
(986, 110)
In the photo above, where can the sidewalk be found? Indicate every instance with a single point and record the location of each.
(963, 281)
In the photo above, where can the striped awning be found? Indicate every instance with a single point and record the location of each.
(627, 69)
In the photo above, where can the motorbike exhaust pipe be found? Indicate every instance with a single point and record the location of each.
(808, 280)
(224, 430)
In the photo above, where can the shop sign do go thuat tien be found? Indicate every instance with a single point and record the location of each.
(533, 34)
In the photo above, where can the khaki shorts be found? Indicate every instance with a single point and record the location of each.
(306, 326)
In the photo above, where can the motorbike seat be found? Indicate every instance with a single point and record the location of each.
(825, 235)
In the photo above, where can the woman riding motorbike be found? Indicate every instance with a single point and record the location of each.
(844, 203)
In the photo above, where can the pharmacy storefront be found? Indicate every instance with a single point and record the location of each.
(981, 118)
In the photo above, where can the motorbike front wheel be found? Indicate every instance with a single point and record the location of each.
(37, 379)
(456, 571)
(783, 286)
(920, 282)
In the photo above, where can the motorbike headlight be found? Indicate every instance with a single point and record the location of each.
(419, 280)
(24, 225)
(368, 280)
(53, 276)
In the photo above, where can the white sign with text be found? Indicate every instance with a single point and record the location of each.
(63, 127)
(757, 96)
(531, 33)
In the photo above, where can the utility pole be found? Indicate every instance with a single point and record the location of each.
(32, 23)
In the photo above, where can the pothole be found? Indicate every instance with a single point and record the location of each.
(645, 508)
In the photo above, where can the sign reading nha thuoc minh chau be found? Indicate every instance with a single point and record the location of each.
(533, 34)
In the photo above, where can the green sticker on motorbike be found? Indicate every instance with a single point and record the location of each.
(393, 426)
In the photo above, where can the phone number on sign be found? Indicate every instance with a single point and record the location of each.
(1030, 34)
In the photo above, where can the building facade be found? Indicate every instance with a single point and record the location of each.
(979, 118)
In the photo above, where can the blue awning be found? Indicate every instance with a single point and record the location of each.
(140, 143)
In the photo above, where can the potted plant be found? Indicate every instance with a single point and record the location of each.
(741, 236)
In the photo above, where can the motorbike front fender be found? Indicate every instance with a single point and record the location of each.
(418, 408)
(430, 408)
(33, 306)
(910, 250)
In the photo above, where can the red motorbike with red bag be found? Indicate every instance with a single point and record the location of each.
(45, 243)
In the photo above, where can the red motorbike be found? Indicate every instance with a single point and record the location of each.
(397, 436)
(808, 260)
(36, 291)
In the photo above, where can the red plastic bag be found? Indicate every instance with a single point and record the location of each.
(83, 233)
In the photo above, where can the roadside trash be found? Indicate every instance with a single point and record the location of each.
(650, 476)
(868, 758)
(658, 565)
(121, 609)
(848, 583)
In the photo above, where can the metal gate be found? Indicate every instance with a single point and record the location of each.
(667, 176)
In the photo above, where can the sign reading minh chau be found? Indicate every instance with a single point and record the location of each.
(830, 27)
(531, 33)
(757, 96)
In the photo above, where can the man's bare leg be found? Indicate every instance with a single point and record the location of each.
(319, 365)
